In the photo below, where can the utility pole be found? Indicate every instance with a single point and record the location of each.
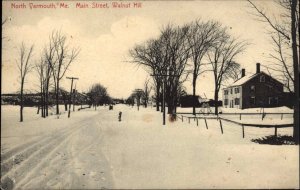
(163, 76)
(72, 79)
(138, 94)
(74, 97)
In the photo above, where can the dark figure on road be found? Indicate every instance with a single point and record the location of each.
(120, 116)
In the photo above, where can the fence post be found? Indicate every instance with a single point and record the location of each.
(189, 120)
(240, 116)
(206, 123)
(182, 118)
(281, 116)
(221, 125)
(197, 121)
(275, 131)
(243, 131)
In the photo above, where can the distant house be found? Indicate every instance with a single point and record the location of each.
(190, 101)
(257, 90)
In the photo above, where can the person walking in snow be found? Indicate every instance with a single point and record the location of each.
(120, 116)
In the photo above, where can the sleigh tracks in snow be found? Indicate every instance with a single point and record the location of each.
(18, 161)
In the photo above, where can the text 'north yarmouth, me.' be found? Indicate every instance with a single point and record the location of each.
(77, 5)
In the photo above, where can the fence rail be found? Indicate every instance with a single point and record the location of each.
(276, 126)
(263, 115)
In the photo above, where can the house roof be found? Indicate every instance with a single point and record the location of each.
(243, 80)
(247, 78)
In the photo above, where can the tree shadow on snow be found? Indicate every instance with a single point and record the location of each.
(275, 140)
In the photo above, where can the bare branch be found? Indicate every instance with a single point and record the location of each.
(263, 15)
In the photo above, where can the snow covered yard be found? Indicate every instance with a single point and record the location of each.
(94, 150)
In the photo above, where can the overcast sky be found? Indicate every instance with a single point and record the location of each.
(106, 35)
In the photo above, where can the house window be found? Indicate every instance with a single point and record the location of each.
(226, 102)
(252, 100)
(270, 100)
(262, 78)
(236, 101)
(237, 90)
(276, 100)
(252, 88)
(231, 91)
(225, 92)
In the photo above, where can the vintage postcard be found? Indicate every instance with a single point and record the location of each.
(154, 94)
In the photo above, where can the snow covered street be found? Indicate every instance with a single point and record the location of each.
(93, 149)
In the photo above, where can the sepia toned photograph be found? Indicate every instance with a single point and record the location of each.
(153, 94)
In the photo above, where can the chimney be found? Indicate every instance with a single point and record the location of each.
(243, 73)
(257, 67)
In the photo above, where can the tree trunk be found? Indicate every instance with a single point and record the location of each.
(40, 106)
(194, 94)
(296, 70)
(47, 101)
(21, 112)
(161, 102)
(216, 100)
(56, 97)
(73, 104)
(170, 105)
(43, 104)
(41, 100)
(21, 103)
(157, 97)
(65, 102)
(47, 94)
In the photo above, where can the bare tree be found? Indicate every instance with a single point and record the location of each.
(166, 59)
(4, 22)
(177, 53)
(147, 91)
(98, 95)
(150, 55)
(201, 37)
(40, 69)
(59, 57)
(43, 71)
(285, 35)
(130, 100)
(24, 67)
(138, 94)
(221, 57)
(51, 59)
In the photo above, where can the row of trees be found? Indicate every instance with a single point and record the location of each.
(51, 67)
(194, 48)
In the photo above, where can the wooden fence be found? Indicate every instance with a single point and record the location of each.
(263, 115)
(276, 126)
